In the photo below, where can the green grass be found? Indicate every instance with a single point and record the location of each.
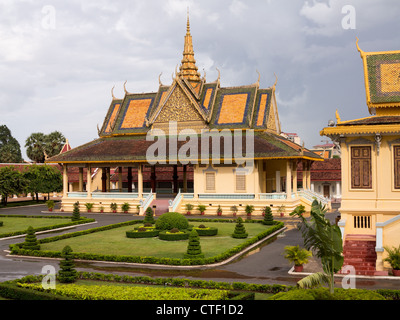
(115, 242)
(11, 224)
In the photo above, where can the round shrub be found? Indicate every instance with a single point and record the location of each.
(170, 220)
(168, 236)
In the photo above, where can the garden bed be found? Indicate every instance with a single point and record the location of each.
(109, 243)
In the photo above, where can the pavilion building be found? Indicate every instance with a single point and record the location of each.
(370, 167)
(196, 142)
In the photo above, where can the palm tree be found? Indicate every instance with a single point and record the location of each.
(325, 241)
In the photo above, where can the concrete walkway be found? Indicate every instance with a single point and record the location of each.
(263, 265)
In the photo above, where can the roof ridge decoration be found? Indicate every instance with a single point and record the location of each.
(188, 68)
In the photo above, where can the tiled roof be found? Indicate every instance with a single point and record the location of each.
(134, 148)
(327, 170)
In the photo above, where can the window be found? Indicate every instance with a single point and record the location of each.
(210, 181)
(396, 151)
(361, 175)
(240, 182)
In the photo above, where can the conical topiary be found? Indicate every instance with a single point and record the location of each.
(67, 272)
(76, 212)
(194, 247)
(240, 230)
(149, 216)
(268, 217)
(31, 242)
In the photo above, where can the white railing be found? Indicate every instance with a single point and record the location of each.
(310, 195)
(75, 194)
(272, 196)
(146, 201)
(226, 196)
(106, 195)
(379, 232)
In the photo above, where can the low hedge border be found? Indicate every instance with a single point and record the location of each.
(142, 234)
(244, 287)
(56, 226)
(167, 236)
(209, 231)
(16, 249)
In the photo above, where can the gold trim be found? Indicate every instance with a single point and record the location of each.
(362, 129)
(175, 160)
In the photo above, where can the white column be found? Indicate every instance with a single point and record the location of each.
(338, 191)
(288, 180)
(278, 181)
(65, 181)
(295, 177)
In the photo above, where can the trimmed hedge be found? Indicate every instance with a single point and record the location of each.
(209, 231)
(1, 223)
(176, 236)
(11, 291)
(323, 294)
(151, 232)
(17, 250)
(62, 225)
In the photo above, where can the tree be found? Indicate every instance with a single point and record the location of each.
(194, 247)
(268, 217)
(11, 182)
(10, 150)
(325, 241)
(67, 272)
(31, 242)
(149, 216)
(34, 145)
(240, 230)
(39, 146)
(43, 179)
(76, 215)
(54, 141)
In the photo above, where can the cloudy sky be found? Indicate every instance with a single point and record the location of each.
(60, 59)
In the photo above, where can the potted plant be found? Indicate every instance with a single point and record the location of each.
(125, 207)
(113, 207)
(201, 208)
(89, 207)
(219, 210)
(393, 259)
(101, 209)
(234, 209)
(298, 256)
(249, 209)
(281, 210)
(50, 204)
(189, 208)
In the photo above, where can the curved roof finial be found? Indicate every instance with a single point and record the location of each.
(125, 87)
(359, 49)
(259, 77)
(219, 74)
(112, 93)
(276, 81)
(159, 79)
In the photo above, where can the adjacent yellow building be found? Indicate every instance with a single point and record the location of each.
(370, 160)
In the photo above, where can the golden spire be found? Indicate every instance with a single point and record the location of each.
(188, 68)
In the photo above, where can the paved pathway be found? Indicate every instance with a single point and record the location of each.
(265, 265)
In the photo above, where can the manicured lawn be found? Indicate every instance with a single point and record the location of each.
(115, 242)
(11, 224)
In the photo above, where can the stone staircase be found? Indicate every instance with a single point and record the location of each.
(359, 252)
